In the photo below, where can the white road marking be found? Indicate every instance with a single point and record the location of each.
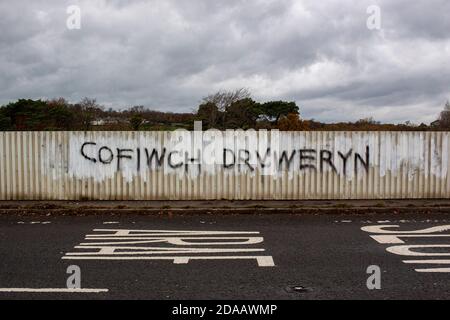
(380, 230)
(427, 261)
(437, 270)
(263, 261)
(407, 250)
(177, 241)
(51, 290)
(34, 222)
(138, 233)
(122, 244)
(383, 236)
(395, 239)
(151, 250)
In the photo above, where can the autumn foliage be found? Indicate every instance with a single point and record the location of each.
(223, 110)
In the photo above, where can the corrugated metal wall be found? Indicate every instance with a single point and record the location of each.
(50, 166)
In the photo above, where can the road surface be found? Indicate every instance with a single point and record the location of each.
(232, 256)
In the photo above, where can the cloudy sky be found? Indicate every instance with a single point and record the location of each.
(168, 54)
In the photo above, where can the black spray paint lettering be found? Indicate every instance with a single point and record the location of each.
(138, 151)
(365, 163)
(83, 151)
(121, 155)
(244, 157)
(262, 160)
(155, 154)
(344, 160)
(101, 153)
(170, 160)
(284, 158)
(327, 157)
(308, 158)
(193, 161)
(226, 164)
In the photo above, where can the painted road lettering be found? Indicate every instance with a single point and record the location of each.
(179, 246)
(384, 234)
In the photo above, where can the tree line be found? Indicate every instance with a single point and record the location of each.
(222, 110)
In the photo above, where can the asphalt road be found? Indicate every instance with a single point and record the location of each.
(324, 256)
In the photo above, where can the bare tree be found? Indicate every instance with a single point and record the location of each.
(224, 99)
(137, 109)
(90, 110)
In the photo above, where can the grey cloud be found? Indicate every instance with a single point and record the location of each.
(167, 54)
